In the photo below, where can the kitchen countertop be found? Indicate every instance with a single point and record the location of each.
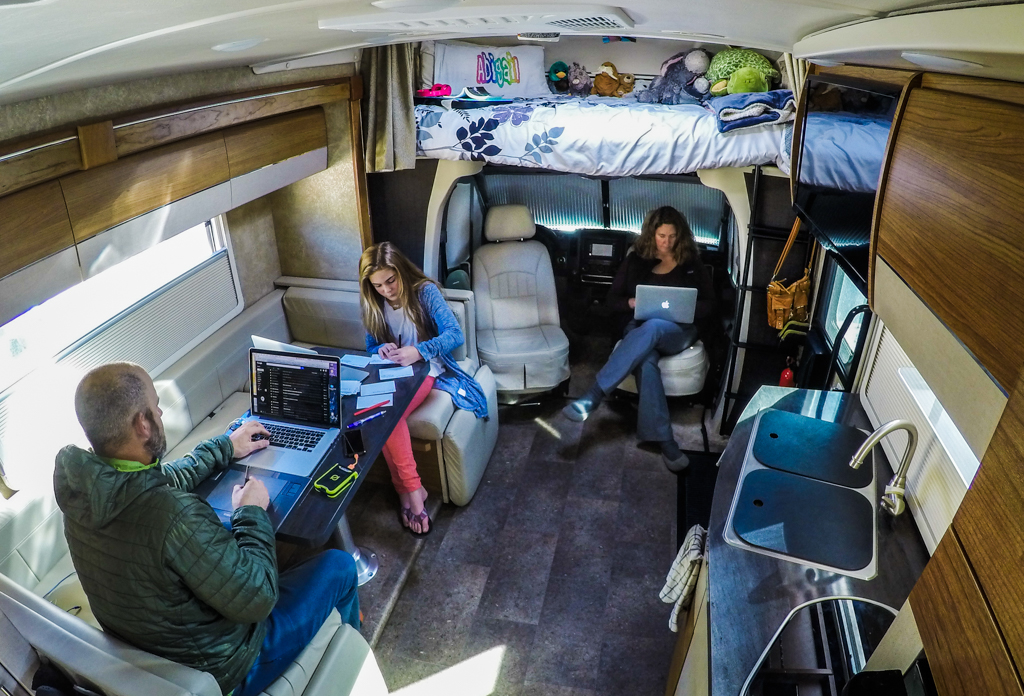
(752, 594)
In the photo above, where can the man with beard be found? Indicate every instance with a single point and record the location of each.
(159, 568)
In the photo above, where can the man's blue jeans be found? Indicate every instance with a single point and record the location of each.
(306, 595)
(638, 354)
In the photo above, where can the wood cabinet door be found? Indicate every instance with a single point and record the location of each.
(964, 646)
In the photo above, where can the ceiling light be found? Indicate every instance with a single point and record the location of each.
(927, 60)
(692, 34)
(539, 36)
(414, 5)
(233, 46)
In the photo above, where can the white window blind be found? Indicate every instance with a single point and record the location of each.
(37, 415)
(155, 331)
(557, 201)
(631, 199)
(934, 486)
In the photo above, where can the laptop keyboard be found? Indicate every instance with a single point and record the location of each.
(293, 438)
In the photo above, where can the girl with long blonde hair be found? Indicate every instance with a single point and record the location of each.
(407, 320)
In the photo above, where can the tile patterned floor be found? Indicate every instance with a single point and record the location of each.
(559, 559)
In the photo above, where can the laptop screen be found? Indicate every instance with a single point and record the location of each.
(294, 387)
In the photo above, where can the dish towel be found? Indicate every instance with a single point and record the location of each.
(682, 576)
(744, 110)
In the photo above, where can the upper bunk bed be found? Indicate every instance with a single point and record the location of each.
(598, 136)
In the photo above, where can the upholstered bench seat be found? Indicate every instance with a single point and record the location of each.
(682, 374)
(200, 395)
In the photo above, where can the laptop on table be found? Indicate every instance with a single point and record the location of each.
(297, 398)
(665, 302)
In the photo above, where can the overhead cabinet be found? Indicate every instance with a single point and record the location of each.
(33, 224)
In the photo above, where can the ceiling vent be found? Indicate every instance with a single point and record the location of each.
(603, 22)
(465, 21)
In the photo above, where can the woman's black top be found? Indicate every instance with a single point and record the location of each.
(640, 271)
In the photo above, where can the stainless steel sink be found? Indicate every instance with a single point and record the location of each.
(820, 646)
(795, 509)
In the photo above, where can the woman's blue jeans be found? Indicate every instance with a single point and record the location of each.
(306, 595)
(638, 354)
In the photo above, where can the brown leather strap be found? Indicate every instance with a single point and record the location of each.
(789, 245)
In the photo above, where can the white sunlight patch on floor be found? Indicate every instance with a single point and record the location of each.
(477, 676)
(548, 428)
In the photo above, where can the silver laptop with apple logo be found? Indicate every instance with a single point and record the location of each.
(663, 302)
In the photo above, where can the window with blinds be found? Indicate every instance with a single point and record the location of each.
(150, 309)
(570, 202)
(630, 200)
(943, 465)
(557, 201)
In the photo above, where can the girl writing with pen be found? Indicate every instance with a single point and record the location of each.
(407, 320)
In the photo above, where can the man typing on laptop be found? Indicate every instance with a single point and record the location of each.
(160, 569)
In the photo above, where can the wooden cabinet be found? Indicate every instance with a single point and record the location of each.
(100, 198)
(948, 223)
(33, 224)
(965, 650)
(271, 140)
(689, 674)
(949, 220)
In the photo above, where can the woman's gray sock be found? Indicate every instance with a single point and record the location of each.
(582, 407)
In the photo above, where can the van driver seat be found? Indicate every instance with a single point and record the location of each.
(518, 332)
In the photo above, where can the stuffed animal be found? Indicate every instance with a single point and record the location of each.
(558, 77)
(747, 80)
(606, 80)
(626, 83)
(681, 80)
(727, 62)
(579, 80)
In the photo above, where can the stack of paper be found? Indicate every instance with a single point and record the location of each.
(355, 360)
(372, 400)
(377, 388)
(395, 372)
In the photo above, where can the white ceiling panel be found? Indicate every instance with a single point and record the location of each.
(60, 45)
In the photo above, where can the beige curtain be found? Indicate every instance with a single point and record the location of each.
(794, 72)
(389, 122)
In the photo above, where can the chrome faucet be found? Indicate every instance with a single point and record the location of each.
(892, 499)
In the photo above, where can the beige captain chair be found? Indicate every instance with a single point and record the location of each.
(518, 332)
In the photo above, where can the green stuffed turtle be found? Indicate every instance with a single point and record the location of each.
(727, 62)
(742, 81)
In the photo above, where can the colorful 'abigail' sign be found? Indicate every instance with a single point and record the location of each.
(514, 71)
(499, 71)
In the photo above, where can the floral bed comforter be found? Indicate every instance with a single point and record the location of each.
(598, 136)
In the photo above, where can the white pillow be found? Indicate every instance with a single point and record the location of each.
(510, 71)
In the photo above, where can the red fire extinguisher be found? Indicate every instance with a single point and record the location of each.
(787, 378)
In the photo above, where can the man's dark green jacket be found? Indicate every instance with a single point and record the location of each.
(159, 568)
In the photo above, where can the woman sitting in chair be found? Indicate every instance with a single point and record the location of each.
(665, 255)
(407, 320)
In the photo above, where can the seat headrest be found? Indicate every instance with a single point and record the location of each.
(508, 222)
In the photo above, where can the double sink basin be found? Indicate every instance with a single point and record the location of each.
(797, 498)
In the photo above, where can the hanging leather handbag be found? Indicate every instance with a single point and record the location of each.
(788, 303)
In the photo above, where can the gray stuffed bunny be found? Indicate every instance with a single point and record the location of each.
(579, 81)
